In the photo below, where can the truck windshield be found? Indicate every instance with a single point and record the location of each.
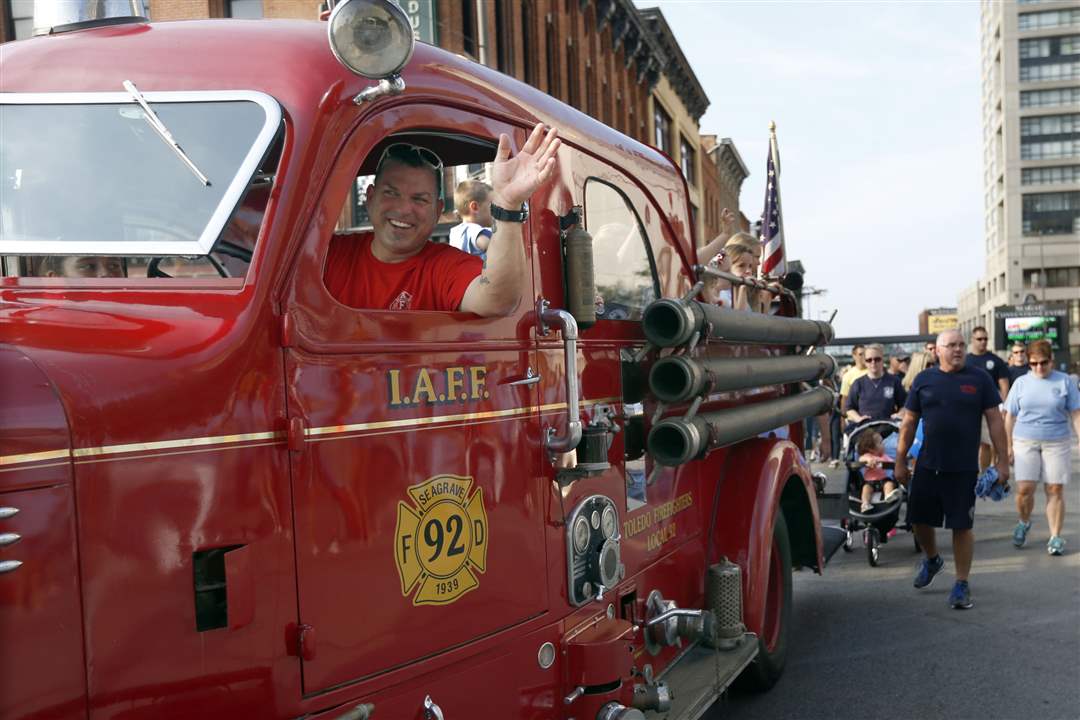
(89, 175)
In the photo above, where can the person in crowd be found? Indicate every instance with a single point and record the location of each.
(1038, 411)
(919, 362)
(472, 201)
(898, 365)
(1018, 362)
(743, 253)
(83, 266)
(876, 395)
(872, 453)
(718, 290)
(728, 228)
(395, 267)
(852, 374)
(982, 358)
(950, 399)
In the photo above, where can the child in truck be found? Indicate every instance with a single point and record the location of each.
(871, 450)
(472, 200)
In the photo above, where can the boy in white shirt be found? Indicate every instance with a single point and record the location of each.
(472, 201)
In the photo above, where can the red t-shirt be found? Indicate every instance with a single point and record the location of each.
(434, 279)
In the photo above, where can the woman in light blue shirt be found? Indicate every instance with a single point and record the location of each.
(1040, 407)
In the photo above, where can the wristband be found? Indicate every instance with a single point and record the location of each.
(514, 216)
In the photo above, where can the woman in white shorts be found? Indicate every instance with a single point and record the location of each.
(1040, 407)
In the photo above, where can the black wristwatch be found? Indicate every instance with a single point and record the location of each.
(515, 216)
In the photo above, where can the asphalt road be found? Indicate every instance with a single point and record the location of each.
(866, 644)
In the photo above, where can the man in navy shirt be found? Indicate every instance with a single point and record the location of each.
(877, 395)
(951, 399)
(980, 357)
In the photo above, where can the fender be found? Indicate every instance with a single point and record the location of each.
(745, 505)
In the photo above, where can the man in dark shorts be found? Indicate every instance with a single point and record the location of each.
(951, 399)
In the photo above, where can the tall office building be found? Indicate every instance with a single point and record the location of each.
(1031, 151)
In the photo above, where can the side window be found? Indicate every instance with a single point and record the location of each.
(625, 278)
(461, 165)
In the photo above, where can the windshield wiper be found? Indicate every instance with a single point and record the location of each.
(159, 127)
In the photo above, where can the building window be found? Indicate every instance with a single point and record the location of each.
(528, 41)
(552, 60)
(687, 158)
(572, 87)
(21, 13)
(1048, 73)
(1057, 175)
(504, 37)
(468, 28)
(1055, 150)
(1051, 213)
(1048, 19)
(662, 128)
(1049, 125)
(246, 9)
(1050, 98)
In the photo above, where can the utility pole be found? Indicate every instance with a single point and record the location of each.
(807, 291)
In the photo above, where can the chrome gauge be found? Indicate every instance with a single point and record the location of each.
(581, 535)
(609, 522)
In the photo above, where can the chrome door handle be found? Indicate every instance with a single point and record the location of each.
(529, 379)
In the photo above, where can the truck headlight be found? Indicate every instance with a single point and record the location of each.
(373, 38)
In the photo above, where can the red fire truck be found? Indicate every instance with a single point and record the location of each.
(225, 494)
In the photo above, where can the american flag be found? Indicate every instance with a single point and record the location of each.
(773, 264)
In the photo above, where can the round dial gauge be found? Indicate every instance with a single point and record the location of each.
(581, 535)
(594, 517)
(609, 522)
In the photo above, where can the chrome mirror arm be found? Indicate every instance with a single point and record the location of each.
(393, 85)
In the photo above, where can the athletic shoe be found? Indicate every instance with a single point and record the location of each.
(960, 597)
(893, 495)
(928, 570)
(1020, 533)
(1056, 546)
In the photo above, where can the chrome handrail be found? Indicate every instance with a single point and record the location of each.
(568, 326)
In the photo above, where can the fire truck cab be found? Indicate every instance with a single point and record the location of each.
(224, 493)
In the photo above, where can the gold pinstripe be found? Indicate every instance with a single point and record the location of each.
(204, 442)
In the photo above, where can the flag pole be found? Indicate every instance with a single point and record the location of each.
(773, 256)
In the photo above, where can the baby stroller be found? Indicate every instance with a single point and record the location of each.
(882, 517)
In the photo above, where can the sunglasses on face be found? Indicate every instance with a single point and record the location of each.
(873, 359)
(413, 156)
(1038, 363)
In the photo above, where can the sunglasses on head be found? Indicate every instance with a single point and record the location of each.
(413, 156)
(1038, 363)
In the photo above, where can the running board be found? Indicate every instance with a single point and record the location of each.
(700, 677)
(832, 538)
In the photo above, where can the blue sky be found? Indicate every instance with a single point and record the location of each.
(877, 109)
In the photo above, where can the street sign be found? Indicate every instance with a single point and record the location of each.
(422, 18)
